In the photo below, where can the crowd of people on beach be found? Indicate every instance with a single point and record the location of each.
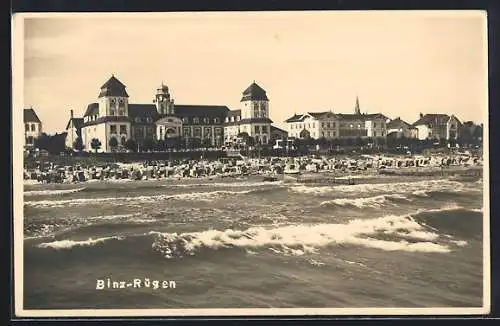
(237, 167)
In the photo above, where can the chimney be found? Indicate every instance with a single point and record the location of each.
(421, 115)
(71, 113)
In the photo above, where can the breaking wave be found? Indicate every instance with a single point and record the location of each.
(52, 192)
(198, 196)
(376, 201)
(68, 244)
(389, 233)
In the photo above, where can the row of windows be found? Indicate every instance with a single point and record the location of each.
(119, 112)
(144, 119)
(259, 128)
(123, 129)
(29, 127)
(91, 118)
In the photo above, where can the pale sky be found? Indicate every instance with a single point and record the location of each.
(398, 63)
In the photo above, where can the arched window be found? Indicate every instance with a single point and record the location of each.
(196, 120)
(206, 120)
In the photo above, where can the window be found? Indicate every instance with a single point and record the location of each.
(350, 126)
(196, 120)
(218, 131)
(197, 132)
(328, 124)
(208, 132)
(314, 125)
(334, 133)
(206, 120)
(123, 129)
(264, 129)
(232, 119)
(185, 120)
(322, 125)
(112, 129)
(26, 127)
(187, 132)
(322, 134)
(227, 119)
(374, 125)
(121, 103)
(328, 134)
(137, 119)
(33, 128)
(257, 129)
(112, 101)
(333, 124)
(30, 140)
(149, 119)
(216, 120)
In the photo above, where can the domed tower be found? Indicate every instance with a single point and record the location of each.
(164, 104)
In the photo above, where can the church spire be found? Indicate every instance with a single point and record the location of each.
(356, 108)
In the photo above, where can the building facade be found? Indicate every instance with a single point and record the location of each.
(73, 130)
(332, 125)
(32, 127)
(252, 119)
(112, 116)
(437, 127)
(399, 128)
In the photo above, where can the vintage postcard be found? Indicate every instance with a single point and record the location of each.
(251, 163)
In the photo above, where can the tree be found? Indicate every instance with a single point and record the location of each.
(54, 144)
(113, 143)
(131, 145)
(95, 144)
(78, 144)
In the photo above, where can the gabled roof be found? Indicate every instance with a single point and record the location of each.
(92, 109)
(113, 87)
(437, 119)
(254, 93)
(77, 123)
(255, 120)
(30, 116)
(201, 110)
(397, 123)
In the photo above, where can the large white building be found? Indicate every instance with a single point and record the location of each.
(332, 125)
(32, 127)
(113, 116)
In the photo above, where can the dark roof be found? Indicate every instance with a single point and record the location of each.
(295, 118)
(77, 122)
(107, 119)
(142, 111)
(376, 116)
(113, 87)
(201, 110)
(30, 116)
(397, 123)
(274, 128)
(234, 113)
(254, 92)
(438, 119)
(255, 120)
(92, 109)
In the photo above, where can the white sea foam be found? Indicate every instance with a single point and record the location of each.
(227, 184)
(198, 196)
(398, 187)
(52, 192)
(302, 239)
(68, 244)
(375, 201)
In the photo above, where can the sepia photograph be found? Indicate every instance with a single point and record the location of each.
(251, 163)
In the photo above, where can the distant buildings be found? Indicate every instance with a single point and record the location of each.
(437, 127)
(332, 125)
(32, 127)
(73, 130)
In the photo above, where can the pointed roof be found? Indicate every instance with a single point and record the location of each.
(437, 119)
(356, 107)
(113, 87)
(30, 116)
(254, 93)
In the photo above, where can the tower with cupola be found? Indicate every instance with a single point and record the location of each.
(255, 114)
(164, 104)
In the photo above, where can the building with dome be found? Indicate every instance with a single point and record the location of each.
(215, 125)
